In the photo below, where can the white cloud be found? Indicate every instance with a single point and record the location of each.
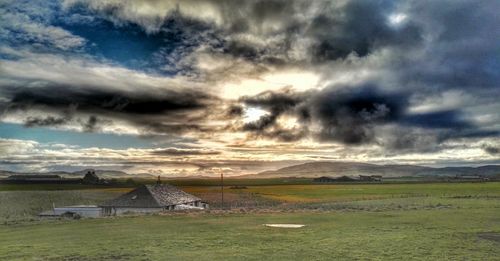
(84, 72)
(16, 146)
(19, 26)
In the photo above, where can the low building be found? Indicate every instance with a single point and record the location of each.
(144, 199)
(325, 179)
(370, 178)
(73, 211)
(152, 198)
(472, 177)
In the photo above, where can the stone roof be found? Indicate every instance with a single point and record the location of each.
(152, 196)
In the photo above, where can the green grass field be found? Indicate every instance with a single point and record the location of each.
(442, 221)
(350, 192)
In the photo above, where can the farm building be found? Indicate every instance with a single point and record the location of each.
(325, 179)
(370, 178)
(472, 177)
(144, 199)
(152, 198)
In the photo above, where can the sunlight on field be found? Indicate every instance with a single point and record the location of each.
(349, 192)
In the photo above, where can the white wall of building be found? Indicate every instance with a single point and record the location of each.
(83, 211)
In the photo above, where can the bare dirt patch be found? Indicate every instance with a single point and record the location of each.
(285, 225)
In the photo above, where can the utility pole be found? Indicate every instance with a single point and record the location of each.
(222, 189)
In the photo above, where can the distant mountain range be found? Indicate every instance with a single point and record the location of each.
(307, 170)
(337, 169)
(106, 174)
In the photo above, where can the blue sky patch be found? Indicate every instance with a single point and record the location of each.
(81, 139)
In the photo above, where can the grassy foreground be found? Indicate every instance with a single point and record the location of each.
(459, 221)
(438, 234)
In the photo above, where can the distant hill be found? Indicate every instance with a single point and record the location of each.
(337, 169)
(306, 170)
(106, 174)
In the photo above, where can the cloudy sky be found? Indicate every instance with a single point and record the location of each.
(196, 87)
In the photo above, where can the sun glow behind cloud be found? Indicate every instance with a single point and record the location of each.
(252, 114)
(397, 18)
(298, 81)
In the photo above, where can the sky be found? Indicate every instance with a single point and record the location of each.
(179, 88)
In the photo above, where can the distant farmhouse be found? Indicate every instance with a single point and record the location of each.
(144, 199)
(471, 178)
(370, 178)
(326, 179)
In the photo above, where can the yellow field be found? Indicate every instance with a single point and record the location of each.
(353, 192)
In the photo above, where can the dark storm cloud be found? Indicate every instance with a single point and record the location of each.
(345, 114)
(449, 119)
(45, 121)
(163, 112)
(463, 51)
(410, 140)
(88, 125)
(178, 128)
(351, 115)
(469, 133)
(95, 99)
(264, 10)
(91, 124)
(348, 115)
(274, 101)
(491, 149)
(235, 110)
(242, 50)
(358, 27)
(280, 134)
